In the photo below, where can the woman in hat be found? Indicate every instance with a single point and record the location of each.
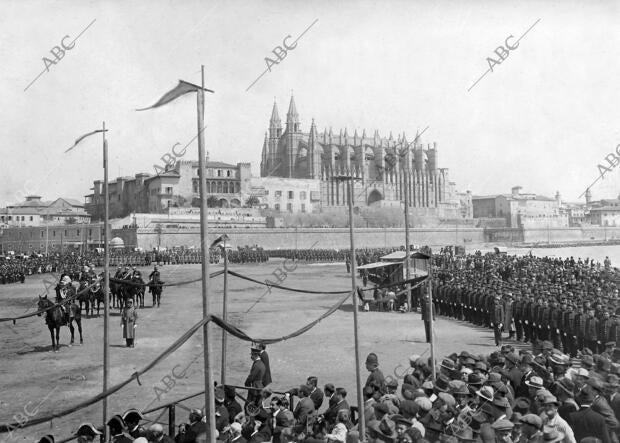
(129, 319)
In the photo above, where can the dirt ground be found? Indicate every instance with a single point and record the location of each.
(36, 382)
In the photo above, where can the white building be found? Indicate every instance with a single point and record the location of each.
(292, 195)
(35, 212)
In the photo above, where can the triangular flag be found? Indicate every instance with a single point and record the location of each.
(181, 89)
(79, 139)
(219, 241)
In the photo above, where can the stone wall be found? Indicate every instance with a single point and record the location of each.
(302, 237)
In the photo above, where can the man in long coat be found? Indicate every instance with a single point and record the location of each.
(129, 320)
(256, 376)
(498, 316)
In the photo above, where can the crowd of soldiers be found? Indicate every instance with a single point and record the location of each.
(572, 304)
(15, 269)
(314, 255)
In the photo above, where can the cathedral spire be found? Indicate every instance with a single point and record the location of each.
(275, 125)
(292, 117)
(313, 132)
(275, 117)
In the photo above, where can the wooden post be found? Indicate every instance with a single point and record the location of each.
(224, 315)
(106, 286)
(171, 418)
(358, 375)
(204, 237)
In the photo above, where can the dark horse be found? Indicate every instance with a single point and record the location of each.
(55, 317)
(90, 296)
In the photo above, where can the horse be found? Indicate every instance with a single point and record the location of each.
(96, 295)
(155, 288)
(84, 297)
(137, 291)
(55, 317)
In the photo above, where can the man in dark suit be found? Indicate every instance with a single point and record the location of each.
(280, 419)
(588, 423)
(316, 395)
(255, 379)
(339, 403)
(265, 359)
(498, 316)
(304, 411)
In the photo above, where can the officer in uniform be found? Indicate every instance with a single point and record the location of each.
(132, 418)
(86, 433)
(117, 427)
(497, 320)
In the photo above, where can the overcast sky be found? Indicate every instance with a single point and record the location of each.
(542, 119)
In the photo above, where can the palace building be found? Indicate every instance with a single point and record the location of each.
(381, 166)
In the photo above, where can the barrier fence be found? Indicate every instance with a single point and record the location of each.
(229, 328)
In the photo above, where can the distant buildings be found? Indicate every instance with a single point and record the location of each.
(382, 167)
(605, 212)
(36, 212)
(177, 187)
(40, 239)
(521, 210)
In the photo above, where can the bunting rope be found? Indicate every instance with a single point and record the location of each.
(308, 291)
(41, 311)
(233, 330)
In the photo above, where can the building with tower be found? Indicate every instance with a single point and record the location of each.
(382, 167)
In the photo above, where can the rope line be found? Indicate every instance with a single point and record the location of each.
(233, 330)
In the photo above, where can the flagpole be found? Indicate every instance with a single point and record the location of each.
(358, 376)
(224, 314)
(204, 234)
(106, 285)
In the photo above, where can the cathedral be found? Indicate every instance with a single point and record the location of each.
(382, 167)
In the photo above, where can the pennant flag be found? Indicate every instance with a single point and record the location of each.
(181, 89)
(220, 241)
(79, 139)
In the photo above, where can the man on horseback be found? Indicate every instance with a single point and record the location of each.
(155, 286)
(64, 289)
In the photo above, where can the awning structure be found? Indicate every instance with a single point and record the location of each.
(379, 264)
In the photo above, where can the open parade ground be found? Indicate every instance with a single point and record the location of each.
(52, 381)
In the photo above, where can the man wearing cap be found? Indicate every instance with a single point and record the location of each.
(531, 428)
(255, 378)
(498, 317)
(86, 433)
(376, 378)
(552, 419)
